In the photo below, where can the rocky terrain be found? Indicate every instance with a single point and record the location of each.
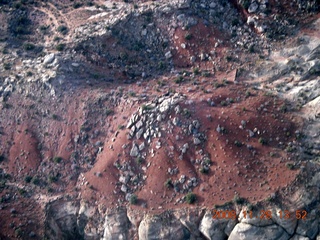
(160, 119)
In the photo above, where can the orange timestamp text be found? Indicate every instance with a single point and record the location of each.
(263, 214)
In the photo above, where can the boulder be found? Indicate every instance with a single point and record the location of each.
(134, 152)
(49, 58)
(310, 226)
(116, 225)
(299, 237)
(162, 227)
(288, 224)
(213, 228)
(244, 231)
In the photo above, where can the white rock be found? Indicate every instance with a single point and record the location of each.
(168, 55)
(49, 58)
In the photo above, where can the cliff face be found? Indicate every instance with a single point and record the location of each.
(159, 120)
(69, 220)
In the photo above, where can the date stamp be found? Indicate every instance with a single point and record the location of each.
(263, 214)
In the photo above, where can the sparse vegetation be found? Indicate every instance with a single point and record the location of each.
(190, 198)
(290, 166)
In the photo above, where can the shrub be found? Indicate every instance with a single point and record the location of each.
(2, 158)
(109, 111)
(43, 28)
(204, 170)
(133, 199)
(290, 166)
(53, 178)
(63, 29)
(262, 141)
(196, 71)
(191, 198)
(139, 160)
(29, 46)
(77, 5)
(60, 47)
(7, 66)
(168, 183)
(21, 191)
(57, 159)
(237, 143)
(223, 103)
(146, 107)
(188, 36)
(239, 200)
(120, 127)
(28, 179)
(55, 117)
(20, 25)
(179, 79)
(246, 4)
(35, 180)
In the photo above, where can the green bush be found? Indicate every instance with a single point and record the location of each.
(188, 36)
(262, 141)
(237, 143)
(196, 71)
(7, 66)
(168, 183)
(53, 178)
(77, 5)
(29, 46)
(60, 47)
(28, 179)
(204, 170)
(57, 159)
(290, 166)
(63, 29)
(35, 180)
(246, 4)
(133, 199)
(191, 198)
